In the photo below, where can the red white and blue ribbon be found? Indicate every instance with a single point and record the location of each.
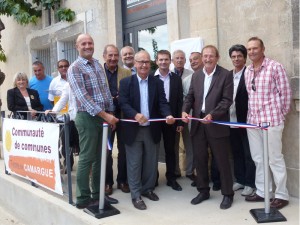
(225, 123)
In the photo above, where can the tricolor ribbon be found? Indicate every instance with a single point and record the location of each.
(225, 123)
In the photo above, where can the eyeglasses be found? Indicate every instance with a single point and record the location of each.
(63, 66)
(253, 84)
(143, 62)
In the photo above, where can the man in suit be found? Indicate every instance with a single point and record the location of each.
(183, 143)
(142, 98)
(210, 96)
(114, 74)
(244, 167)
(173, 91)
(127, 55)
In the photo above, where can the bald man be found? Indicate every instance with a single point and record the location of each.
(95, 106)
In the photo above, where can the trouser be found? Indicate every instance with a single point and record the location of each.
(276, 160)
(142, 163)
(244, 167)
(122, 169)
(90, 141)
(220, 149)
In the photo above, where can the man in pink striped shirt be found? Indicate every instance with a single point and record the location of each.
(269, 101)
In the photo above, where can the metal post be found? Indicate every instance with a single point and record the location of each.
(266, 215)
(103, 166)
(104, 209)
(67, 150)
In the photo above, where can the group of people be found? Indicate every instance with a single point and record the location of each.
(114, 94)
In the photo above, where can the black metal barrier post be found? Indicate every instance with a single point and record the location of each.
(266, 215)
(67, 149)
(104, 209)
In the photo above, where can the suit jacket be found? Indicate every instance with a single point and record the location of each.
(16, 101)
(241, 99)
(186, 72)
(175, 96)
(129, 99)
(217, 101)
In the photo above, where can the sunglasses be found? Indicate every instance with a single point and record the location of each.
(253, 84)
(63, 66)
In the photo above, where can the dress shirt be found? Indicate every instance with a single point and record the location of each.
(236, 81)
(272, 98)
(143, 84)
(67, 97)
(88, 83)
(56, 86)
(166, 80)
(207, 82)
(112, 78)
(133, 69)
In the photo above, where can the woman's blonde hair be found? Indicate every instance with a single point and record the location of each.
(19, 75)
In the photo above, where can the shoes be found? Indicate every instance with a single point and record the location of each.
(91, 202)
(279, 203)
(174, 185)
(110, 200)
(124, 187)
(247, 191)
(254, 198)
(192, 177)
(108, 189)
(226, 202)
(200, 198)
(216, 187)
(139, 203)
(237, 186)
(177, 175)
(151, 195)
(193, 184)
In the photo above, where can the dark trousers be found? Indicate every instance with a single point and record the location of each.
(214, 172)
(122, 168)
(169, 135)
(63, 149)
(220, 149)
(244, 167)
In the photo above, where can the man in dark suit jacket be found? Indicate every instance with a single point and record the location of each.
(210, 96)
(173, 90)
(142, 97)
(244, 167)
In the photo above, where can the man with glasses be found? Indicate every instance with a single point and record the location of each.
(142, 98)
(55, 90)
(269, 101)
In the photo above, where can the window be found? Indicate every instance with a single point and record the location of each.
(43, 55)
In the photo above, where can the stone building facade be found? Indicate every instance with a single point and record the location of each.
(221, 23)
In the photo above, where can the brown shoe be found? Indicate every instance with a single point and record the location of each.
(279, 203)
(124, 187)
(254, 198)
(108, 189)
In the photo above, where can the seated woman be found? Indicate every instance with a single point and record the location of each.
(22, 98)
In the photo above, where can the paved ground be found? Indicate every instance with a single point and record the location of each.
(6, 218)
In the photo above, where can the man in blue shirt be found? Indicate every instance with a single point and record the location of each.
(41, 82)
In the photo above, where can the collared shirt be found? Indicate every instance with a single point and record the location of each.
(88, 83)
(236, 81)
(133, 69)
(144, 98)
(207, 82)
(176, 71)
(112, 79)
(166, 80)
(272, 98)
(56, 86)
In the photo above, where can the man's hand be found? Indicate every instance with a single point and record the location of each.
(109, 118)
(207, 118)
(140, 118)
(47, 111)
(184, 117)
(170, 119)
